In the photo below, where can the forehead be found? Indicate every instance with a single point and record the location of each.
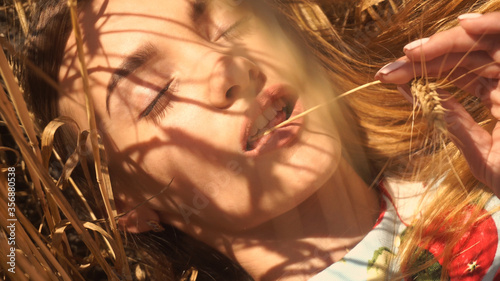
(103, 15)
(132, 18)
(118, 26)
(113, 29)
(138, 8)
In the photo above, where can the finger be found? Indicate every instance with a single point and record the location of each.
(478, 62)
(481, 24)
(403, 71)
(493, 177)
(455, 40)
(400, 71)
(469, 82)
(485, 89)
(473, 140)
(488, 90)
(493, 97)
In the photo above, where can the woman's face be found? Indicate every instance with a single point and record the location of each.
(181, 86)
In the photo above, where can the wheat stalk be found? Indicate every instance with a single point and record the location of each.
(97, 148)
(22, 15)
(41, 256)
(312, 109)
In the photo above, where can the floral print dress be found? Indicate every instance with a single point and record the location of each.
(477, 255)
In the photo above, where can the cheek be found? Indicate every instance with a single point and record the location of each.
(315, 160)
(193, 157)
(277, 51)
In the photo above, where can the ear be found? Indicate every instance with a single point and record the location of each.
(137, 218)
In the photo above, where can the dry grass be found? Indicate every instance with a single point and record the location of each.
(52, 240)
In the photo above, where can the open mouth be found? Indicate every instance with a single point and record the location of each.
(279, 111)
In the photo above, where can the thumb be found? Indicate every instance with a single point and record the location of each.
(474, 141)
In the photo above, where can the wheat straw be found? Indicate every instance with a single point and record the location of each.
(40, 252)
(9, 117)
(21, 15)
(19, 102)
(77, 189)
(34, 165)
(97, 149)
(22, 112)
(312, 109)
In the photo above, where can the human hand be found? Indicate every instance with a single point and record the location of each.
(470, 53)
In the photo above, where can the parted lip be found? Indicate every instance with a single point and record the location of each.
(269, 97)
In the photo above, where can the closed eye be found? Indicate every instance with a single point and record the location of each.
(158, 107)
(233, 31)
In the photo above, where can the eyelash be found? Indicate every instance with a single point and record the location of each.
(235, 31)
(231, 33)
(157, 109)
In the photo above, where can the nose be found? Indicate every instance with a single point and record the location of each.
(233, 77)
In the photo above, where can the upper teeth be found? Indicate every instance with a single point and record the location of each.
(278, 105)
(267, 115)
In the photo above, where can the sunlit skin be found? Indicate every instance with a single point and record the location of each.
(193, 134)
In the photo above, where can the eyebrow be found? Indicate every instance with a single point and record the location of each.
(131, 63)
(198, 9)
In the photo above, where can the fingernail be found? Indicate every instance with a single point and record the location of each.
(405, 91)
(390, 67)
(469, 16)
(415, 44)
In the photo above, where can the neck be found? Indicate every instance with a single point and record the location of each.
(310, 237)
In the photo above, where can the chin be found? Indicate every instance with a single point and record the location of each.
(300, 175)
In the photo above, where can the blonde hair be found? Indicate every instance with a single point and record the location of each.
(353, 44)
